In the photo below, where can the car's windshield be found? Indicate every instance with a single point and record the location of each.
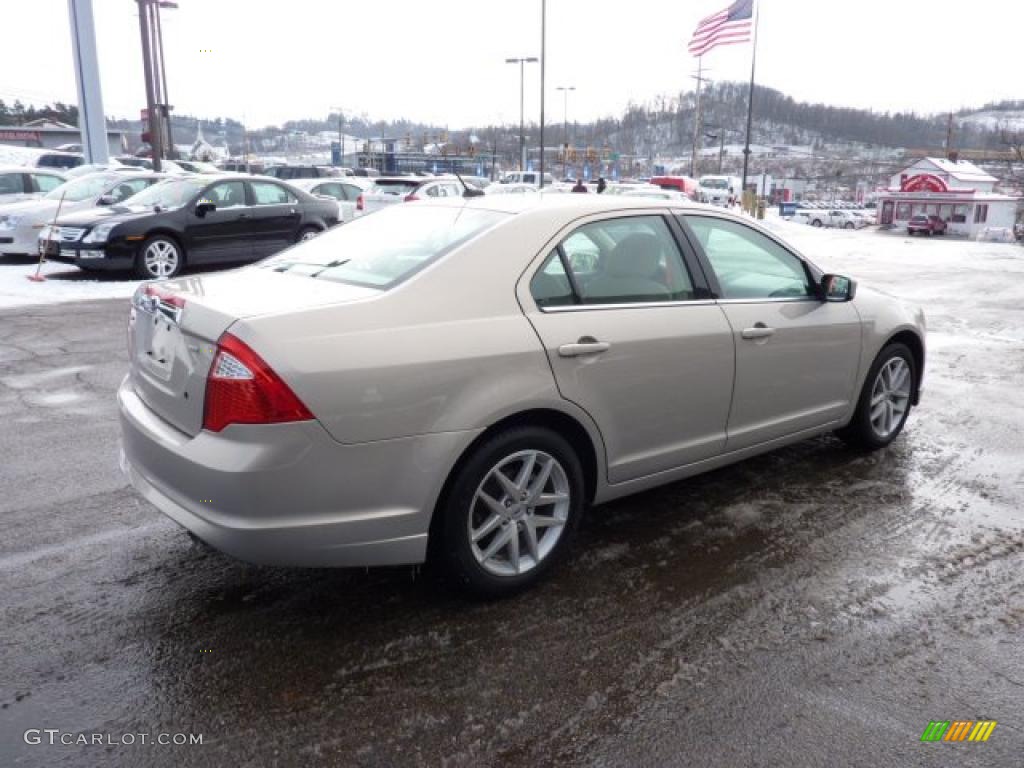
(82, 188)
(382, 250)
(714, 183)
(169, 194)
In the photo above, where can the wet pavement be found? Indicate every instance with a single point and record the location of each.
(811, 607)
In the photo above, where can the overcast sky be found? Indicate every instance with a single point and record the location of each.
(443, 61)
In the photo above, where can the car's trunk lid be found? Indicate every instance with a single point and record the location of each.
(174, 327)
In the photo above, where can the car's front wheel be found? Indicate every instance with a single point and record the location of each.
(885, 400)
(511, 511)
(159, 258)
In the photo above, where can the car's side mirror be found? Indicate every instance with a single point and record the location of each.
(838, 288)
(106, 200)
(204, 207)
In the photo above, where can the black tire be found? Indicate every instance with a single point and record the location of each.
(306, 233)
(816, 223)
(454, 548)
(860, 433)
(146, 271)
(848, 225)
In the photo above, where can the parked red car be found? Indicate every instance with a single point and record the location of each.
(929, 225)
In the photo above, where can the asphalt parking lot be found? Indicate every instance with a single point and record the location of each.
(811, 607)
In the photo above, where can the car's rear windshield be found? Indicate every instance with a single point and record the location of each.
(384, 249)
(394, 186)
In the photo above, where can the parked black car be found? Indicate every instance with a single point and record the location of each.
(190, 220)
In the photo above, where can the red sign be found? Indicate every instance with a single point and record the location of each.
(924, 182)
(10, 135)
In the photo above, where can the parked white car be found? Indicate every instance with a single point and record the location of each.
(20, 223)
(20, 183)
(388, 190)
(345, 190)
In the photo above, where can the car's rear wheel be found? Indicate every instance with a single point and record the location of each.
(159, 258)
(307, 233)
(848, 225)
(511, 512)
(885, 400)
(816, 223)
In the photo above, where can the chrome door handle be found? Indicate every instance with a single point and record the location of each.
(759, 331)
(585, 346)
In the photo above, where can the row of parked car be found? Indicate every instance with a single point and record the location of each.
(124, 216)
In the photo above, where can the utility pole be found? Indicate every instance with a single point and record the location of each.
(694, 162)
(157, 107)
(341, 136)
(522, 61)
(543, 60)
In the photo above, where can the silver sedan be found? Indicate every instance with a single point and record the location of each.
(463, 378)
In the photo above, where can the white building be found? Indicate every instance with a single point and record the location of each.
(957, 191)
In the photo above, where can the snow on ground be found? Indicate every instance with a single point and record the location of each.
(64, 283)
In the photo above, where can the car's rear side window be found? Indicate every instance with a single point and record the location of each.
(626, 260)
(394, 186)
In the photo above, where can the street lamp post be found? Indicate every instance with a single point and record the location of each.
(565, 123)
(341, 136)
(522, 61)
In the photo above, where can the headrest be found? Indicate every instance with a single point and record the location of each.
(636, 255)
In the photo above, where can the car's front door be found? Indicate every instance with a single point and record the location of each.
(796, 355)
(276, 217)
(634, 339)
(223, 234)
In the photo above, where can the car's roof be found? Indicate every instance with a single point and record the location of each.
(30, 169)
(582, 203)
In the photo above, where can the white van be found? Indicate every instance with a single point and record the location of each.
(527, 177)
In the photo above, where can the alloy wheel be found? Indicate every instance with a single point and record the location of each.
(519, 513)
(890, 397)
(309, 234)
(160, 258)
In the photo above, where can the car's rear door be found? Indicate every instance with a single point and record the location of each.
(796, 355)
(633, 338)
(276, 217)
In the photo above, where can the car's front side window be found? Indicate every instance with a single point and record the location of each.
(748, 264)
(616, 261)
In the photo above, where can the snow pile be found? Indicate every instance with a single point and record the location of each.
(64, 283)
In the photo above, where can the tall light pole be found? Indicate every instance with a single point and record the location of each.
(157, 107)
(565, 122)
(341, 136)
(543, 61)
(522, 105)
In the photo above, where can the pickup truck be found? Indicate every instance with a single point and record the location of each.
(717, 190)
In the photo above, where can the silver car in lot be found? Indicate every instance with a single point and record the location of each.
(462, 378)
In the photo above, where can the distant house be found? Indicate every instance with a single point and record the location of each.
(959, 192)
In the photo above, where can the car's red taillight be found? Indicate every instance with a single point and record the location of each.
(359, 203)
(243, 389)
(411, 198)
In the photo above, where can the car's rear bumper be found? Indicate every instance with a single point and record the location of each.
(289, 494)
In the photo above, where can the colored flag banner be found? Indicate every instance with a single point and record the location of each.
(726, 27)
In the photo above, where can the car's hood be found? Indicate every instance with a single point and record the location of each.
(40, 210)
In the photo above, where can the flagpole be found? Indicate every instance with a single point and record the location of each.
(750, 101)
(696, 118)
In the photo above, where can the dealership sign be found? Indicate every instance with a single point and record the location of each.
(924, 182)
(15, 135)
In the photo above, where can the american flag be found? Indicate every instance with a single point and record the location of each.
(728, 26)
